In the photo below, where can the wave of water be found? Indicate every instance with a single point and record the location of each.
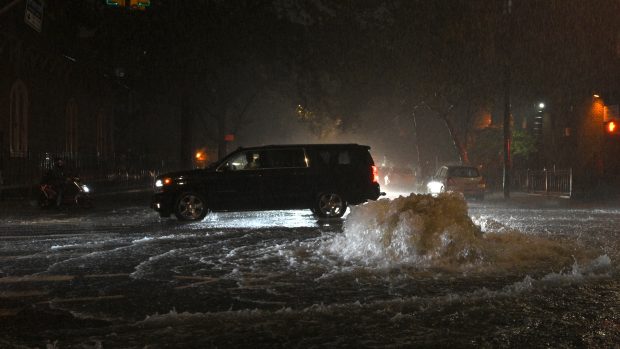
(423, 231)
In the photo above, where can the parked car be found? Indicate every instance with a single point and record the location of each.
(457, 178)
(324, 178)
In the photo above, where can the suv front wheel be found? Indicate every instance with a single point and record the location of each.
(190, 206)
(330, 205)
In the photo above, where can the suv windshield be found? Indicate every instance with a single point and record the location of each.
(265, 159)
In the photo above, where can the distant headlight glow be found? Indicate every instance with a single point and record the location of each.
(86, 189)
(434, 187)
(159, 183)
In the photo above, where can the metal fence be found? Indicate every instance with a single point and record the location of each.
(549, 182)
(22, 173)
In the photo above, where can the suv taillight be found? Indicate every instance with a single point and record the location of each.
(375, 174)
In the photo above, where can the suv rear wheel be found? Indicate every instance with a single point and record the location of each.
(190, 206)
(330, 205)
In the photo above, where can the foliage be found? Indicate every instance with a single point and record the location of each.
(523, 144)
(487, 150)
(321, 125)
(443, 58)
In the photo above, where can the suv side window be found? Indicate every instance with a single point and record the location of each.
(335, 157)
(245, 160)
(325, 157)
(344, 158)
(285, 158)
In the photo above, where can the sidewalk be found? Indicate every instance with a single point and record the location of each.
(531, 200)
(523, 199)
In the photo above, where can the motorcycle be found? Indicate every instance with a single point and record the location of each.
(75, 194)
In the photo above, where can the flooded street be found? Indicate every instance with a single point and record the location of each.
(116, 113)
(410, 272)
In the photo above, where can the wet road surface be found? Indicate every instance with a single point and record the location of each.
(121, 277)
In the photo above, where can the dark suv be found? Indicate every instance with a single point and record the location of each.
(324, 178)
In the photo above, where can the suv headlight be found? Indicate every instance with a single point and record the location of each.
(163, 182)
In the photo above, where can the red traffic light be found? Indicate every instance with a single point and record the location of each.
(611, 127)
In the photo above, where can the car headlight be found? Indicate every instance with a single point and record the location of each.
(434, 187)
(163, 181)
(85, 188)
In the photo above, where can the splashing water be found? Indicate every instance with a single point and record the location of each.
(415, 230)
(436, 232)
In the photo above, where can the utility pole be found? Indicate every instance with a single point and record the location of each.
(416, 139)
(507, 82)
(507, 132)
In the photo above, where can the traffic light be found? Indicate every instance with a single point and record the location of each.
(139, 4)
(117, 3)
(612, 127)
(133, 4)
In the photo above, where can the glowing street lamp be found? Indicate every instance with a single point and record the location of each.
(541, 105)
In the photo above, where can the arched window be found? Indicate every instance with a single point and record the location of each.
(71, 113)
(18, 119)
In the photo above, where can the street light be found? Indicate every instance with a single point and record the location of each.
(599, 107)
(538, 120)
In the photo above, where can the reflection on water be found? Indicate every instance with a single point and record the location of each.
(266, 219)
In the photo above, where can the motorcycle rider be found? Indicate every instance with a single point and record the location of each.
(57, 178)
